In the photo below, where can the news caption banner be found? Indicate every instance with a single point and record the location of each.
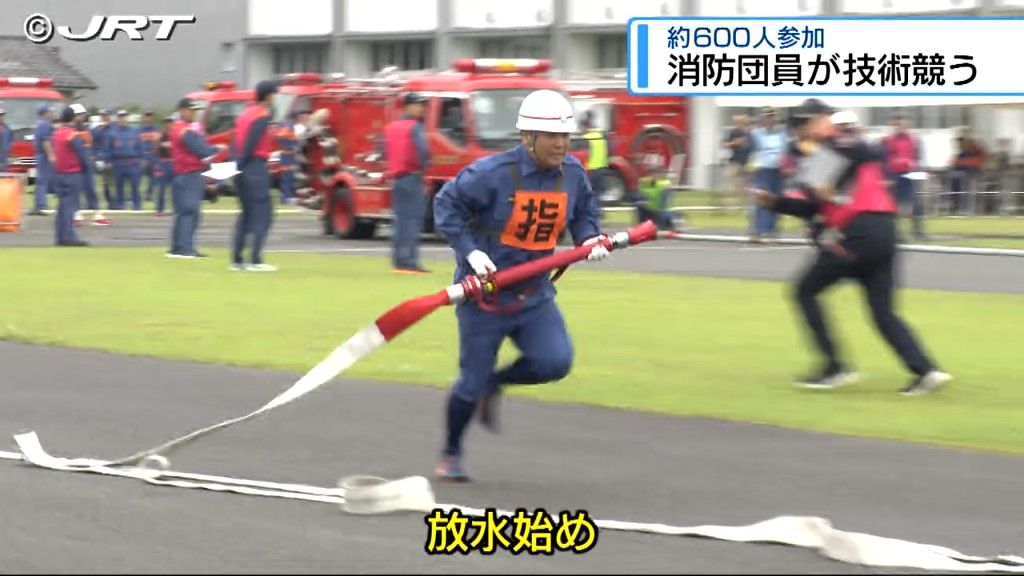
(824, 56)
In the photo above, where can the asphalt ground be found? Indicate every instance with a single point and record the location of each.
(302, 232)
(614, 464)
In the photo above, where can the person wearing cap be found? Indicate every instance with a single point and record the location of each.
(407, 155)
(125, 152)
(70, 157)
(903, 157)
(42, 140)
(6, 139)
(163, 168)
(149, 134)
(101, 155)
(252, 144)
(844, 184)
(190, 155)
(288, 143)
(88, 169)
(769, 144)
(500, 211)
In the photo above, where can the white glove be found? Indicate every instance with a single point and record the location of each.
(599, 252)
(100, 165)
(481, 263)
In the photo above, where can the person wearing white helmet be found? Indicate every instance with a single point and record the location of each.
(500, 211)
(92, 201)
(845, 187)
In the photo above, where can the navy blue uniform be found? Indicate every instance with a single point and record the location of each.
(514, 211)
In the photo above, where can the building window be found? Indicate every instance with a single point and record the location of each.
(407, 55)
(290, 58)
(515, 47)
(611, 51)
(227, 53)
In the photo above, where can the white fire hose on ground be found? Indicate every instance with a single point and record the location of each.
(370, 495)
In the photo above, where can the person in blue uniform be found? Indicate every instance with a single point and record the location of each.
(42, 140)
(500, 211)
(125, 150)
(163, 170)
(92, 202)
(149, 134)
(190, 155)
(407, 155)
(70, 155)
(101, 155)
(251, 144)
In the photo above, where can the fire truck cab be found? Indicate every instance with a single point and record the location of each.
(21, 98)
(471, 112)
(643, 131)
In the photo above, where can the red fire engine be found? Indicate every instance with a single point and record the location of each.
(21, 98)
(471, 112)
(643, 131)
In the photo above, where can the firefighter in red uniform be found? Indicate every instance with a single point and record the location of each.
(189, 155)
(407, 155)
(842, 178)
(70, 156)
(252, 149)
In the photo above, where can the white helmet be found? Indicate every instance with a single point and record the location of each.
(546, 111)
(77, 108)
(844, 117)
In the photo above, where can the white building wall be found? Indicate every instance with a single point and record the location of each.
(607, 12)
(497, 14)
(390, 15)
(758, 7)
(290, 17)
(904, 6)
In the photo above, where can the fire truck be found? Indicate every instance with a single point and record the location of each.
(471, 112)
(21, 98)
(644, 132)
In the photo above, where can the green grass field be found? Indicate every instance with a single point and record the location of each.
(660, 343)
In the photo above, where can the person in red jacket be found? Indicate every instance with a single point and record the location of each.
(903, 156)
(189, 158)
(407, 155)
(252, 141)
(70, 157)
(842, 178)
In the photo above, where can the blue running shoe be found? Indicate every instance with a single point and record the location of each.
(450, 469)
